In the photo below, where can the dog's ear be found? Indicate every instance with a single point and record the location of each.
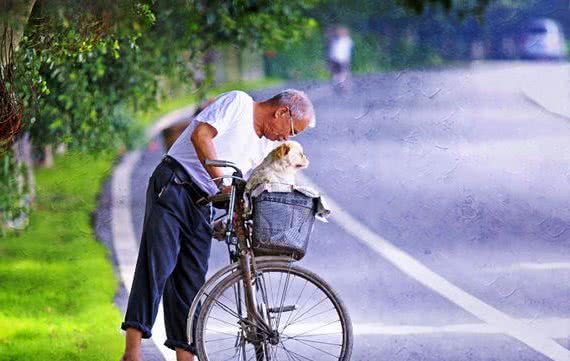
(281, 151)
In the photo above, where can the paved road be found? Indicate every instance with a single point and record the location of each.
(465, 176)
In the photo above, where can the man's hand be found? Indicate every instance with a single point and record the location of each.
(219, 230)
(225, 189)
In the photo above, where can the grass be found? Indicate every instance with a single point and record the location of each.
(56, 299)
(56, 281)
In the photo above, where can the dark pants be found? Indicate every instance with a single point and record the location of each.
(173, 257)
(337, 67)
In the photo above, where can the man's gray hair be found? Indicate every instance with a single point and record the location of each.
(298, 103)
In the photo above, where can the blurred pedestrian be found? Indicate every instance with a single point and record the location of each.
(339, 57)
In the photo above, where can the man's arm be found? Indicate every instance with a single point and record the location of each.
(202, 139)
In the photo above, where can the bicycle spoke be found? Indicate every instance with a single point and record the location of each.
(296, 302)
(309, 310)
(273, 350)
(289, 357)
(316, 314)
(279, 287)
(295, 353)
(224, 307)
(306, 301)
(232, 357)
(237, 295)
(221, 339)
(286, 338)
(318, 349)
(224, 349)
(231, 324)
(220, 332)
(231, 312)
(233, 303)
(241, 351)
(316, 334)
(312, 341)
(271, 286)
(285, 289)
(265, 300)
(316, 328)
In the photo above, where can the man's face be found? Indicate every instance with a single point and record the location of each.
(281, 126)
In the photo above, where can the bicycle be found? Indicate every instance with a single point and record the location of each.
(238, 314)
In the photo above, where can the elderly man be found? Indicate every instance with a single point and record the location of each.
(176, 239)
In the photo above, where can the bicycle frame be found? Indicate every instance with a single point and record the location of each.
(242, 260)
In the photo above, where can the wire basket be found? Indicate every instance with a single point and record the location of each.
(282, 223)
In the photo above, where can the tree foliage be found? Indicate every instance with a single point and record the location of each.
(74, 69)
(82, 68)
(81, 63)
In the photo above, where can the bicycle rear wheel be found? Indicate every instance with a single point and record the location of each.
(308, 320)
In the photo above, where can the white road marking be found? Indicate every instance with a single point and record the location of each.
(415, 269)
(532, 266)
(556, 328)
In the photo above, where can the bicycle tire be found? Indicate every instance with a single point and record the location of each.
(267, 269)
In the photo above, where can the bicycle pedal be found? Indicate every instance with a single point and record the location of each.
(282, 309)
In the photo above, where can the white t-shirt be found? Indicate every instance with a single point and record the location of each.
(232, 116)
(340, 49)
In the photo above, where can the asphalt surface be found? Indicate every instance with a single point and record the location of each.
(461, 171)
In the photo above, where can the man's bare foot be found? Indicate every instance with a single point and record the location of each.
(182, 355)
(127, 356)
(132, 345)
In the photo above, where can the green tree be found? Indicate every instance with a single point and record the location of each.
(80, 65)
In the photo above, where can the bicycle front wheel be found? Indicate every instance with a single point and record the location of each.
(308, 321)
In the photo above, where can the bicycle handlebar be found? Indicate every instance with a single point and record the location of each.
(223, 164)
(218, 163)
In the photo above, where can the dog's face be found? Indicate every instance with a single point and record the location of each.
(290, 155)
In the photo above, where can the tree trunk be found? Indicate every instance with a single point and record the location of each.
(47, 160)
(24, 192)
(61, 149)
(14, 16)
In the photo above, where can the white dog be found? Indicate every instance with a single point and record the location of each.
(279, 166)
